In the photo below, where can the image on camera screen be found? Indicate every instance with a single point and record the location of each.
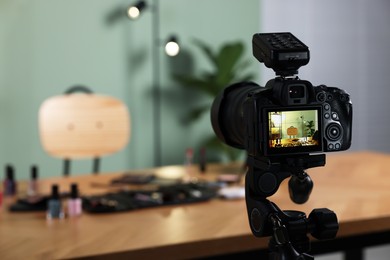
(294, 130)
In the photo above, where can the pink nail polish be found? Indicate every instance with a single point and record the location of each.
(74, 202)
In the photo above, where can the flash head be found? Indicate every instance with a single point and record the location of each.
(283, 52)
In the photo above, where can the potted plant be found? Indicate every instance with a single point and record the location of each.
(310, 129)
(228, 67)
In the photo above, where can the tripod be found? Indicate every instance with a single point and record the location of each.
(288, 229)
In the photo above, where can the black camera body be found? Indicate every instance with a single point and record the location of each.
(288, 116)
(280, 125)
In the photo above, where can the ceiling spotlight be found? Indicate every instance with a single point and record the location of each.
(134, 11)
(172, 48)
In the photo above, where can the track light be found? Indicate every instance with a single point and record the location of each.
(172, 47)
(134, 11)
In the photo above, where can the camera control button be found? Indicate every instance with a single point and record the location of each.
(330, 146)
(337, 146)
(344, 98)
(327, 115)
(326, 106)
(335, 116)
(321, 97)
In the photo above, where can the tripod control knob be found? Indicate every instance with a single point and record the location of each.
(267, 183)
(300, 188)
(324, 223)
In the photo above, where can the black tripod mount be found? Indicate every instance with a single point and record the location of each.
(288, 229)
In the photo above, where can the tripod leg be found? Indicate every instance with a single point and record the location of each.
(280, 244)
(353, 254)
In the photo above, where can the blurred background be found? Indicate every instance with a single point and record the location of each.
(48, 46)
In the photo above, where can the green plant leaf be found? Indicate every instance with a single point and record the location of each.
(227, 69)
(227, 59)
(198, 112)
(213, 143)
(229, 55)
(203, 84)
(206, 50)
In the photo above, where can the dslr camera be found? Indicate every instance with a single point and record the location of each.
(288, 116)
(280, 125)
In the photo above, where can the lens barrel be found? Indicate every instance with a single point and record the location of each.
(227, 116)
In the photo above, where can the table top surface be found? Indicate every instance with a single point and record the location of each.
(355, 185)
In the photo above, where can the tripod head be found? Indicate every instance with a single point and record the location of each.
(288, 229)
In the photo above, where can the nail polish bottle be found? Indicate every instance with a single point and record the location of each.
(54, 207)
(33, 183)
(188, 163)
(202, 160)
(74, 202)
(9, 182)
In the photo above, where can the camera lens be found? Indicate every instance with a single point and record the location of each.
(334, 132)
(296, 91)
(227, 113)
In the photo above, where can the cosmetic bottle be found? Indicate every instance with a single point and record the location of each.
(189, 157)
(33, 183)
(9, 182)
(188, 164)
(54, 207)
(74, 202)
(202, 160)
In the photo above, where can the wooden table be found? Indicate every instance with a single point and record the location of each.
(354, 185)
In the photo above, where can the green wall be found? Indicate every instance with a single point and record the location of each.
(47, 46)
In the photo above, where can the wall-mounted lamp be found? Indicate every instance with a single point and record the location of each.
(172, 48)
(134, 11)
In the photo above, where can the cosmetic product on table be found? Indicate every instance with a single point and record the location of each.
(188, 163)
(74, 203)
(9, 182)
(32, 189)
(54, 206)
(202, 160)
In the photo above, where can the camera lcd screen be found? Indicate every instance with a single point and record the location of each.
(296, 130)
